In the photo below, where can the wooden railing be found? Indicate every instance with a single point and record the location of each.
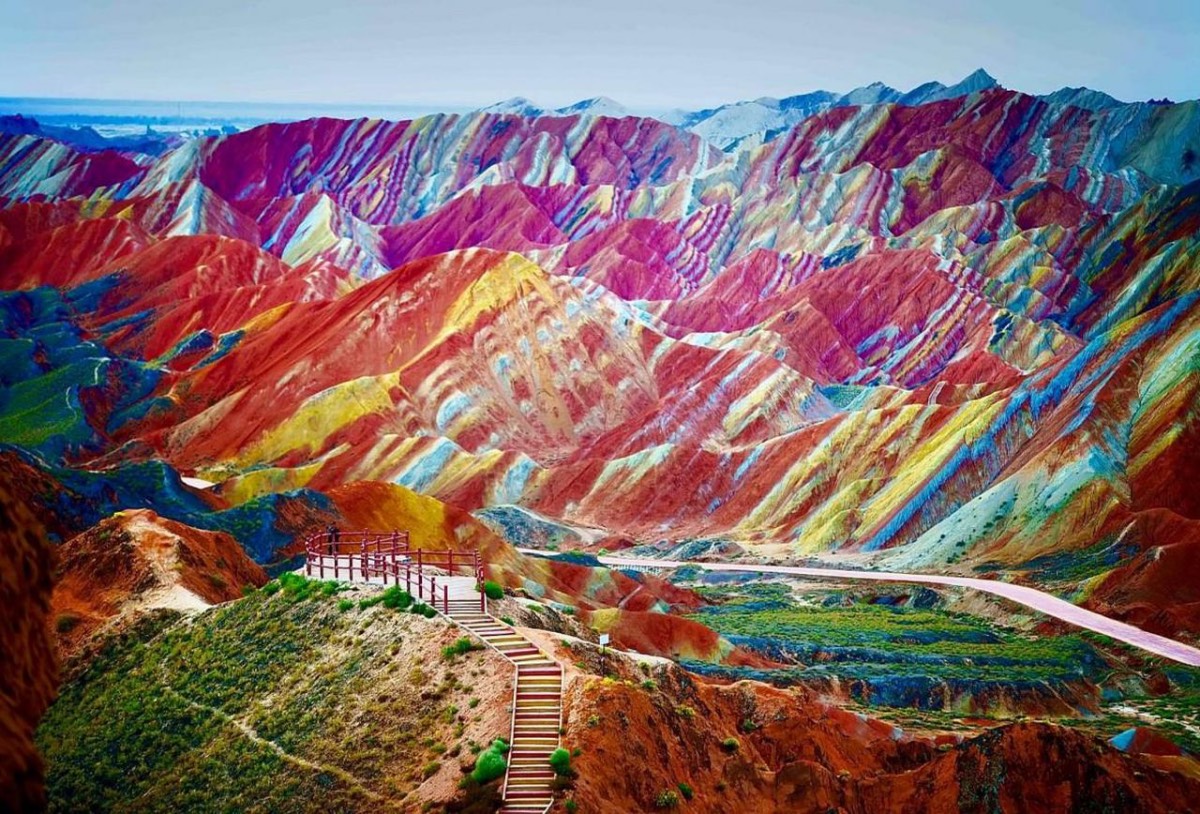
(389, 556)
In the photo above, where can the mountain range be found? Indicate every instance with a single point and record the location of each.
(949, 328)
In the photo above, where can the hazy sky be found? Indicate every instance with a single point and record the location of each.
(644, 53)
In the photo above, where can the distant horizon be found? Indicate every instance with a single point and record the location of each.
(665, 55)
(7, 103)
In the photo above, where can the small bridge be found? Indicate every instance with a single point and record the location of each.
(451, 582)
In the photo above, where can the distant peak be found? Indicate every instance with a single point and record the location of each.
(979, 80)
(598, 105)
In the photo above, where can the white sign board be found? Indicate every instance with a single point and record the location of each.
(604, 640)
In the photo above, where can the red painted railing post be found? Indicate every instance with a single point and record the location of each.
(446, 599)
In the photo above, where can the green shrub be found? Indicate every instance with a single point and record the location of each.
(730, 744)
(460, 646)
(492, 590)
(748, 725)
(66, 622)
(430, 769)
(649, 684)
(490, 764)
(422, 609)
(666, 799)
(686, 791)
(685, 711)
(396, 598)
(345, 605)
(560, 762)
(272, 587)
(570, 806)
(507, 621)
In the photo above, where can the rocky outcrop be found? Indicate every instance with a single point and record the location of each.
(135, 562)
(750, 747)
(30, 673)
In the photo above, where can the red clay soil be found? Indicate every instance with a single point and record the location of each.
(805, 757)
(673, 637)
(136, 558)
(29, 673)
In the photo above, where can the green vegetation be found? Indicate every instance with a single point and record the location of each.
(560, 762)
(667, 799)
(393, 598)
(491, 764)
(462, 645)
(492, 590)
(731, 744)
(267, 704)
(879, 637)
(686, 791)
(685, 711)
(299, 588)
(66, 622)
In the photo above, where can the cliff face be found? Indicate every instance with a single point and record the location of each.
(751, 747)
(30, 675)
(136, 561)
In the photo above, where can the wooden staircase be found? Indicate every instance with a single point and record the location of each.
(537, 702)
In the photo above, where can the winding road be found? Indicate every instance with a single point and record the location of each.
(1029, 597)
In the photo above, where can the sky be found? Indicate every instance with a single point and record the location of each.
(646, 54)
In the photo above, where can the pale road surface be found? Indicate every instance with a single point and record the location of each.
(1029, 597)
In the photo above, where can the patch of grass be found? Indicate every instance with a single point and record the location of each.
(394, 598)
(460, 646)
(667, 798)
(493, 590)
(685, 790)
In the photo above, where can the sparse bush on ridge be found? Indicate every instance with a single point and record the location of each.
(560, 762)
(666, 799)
